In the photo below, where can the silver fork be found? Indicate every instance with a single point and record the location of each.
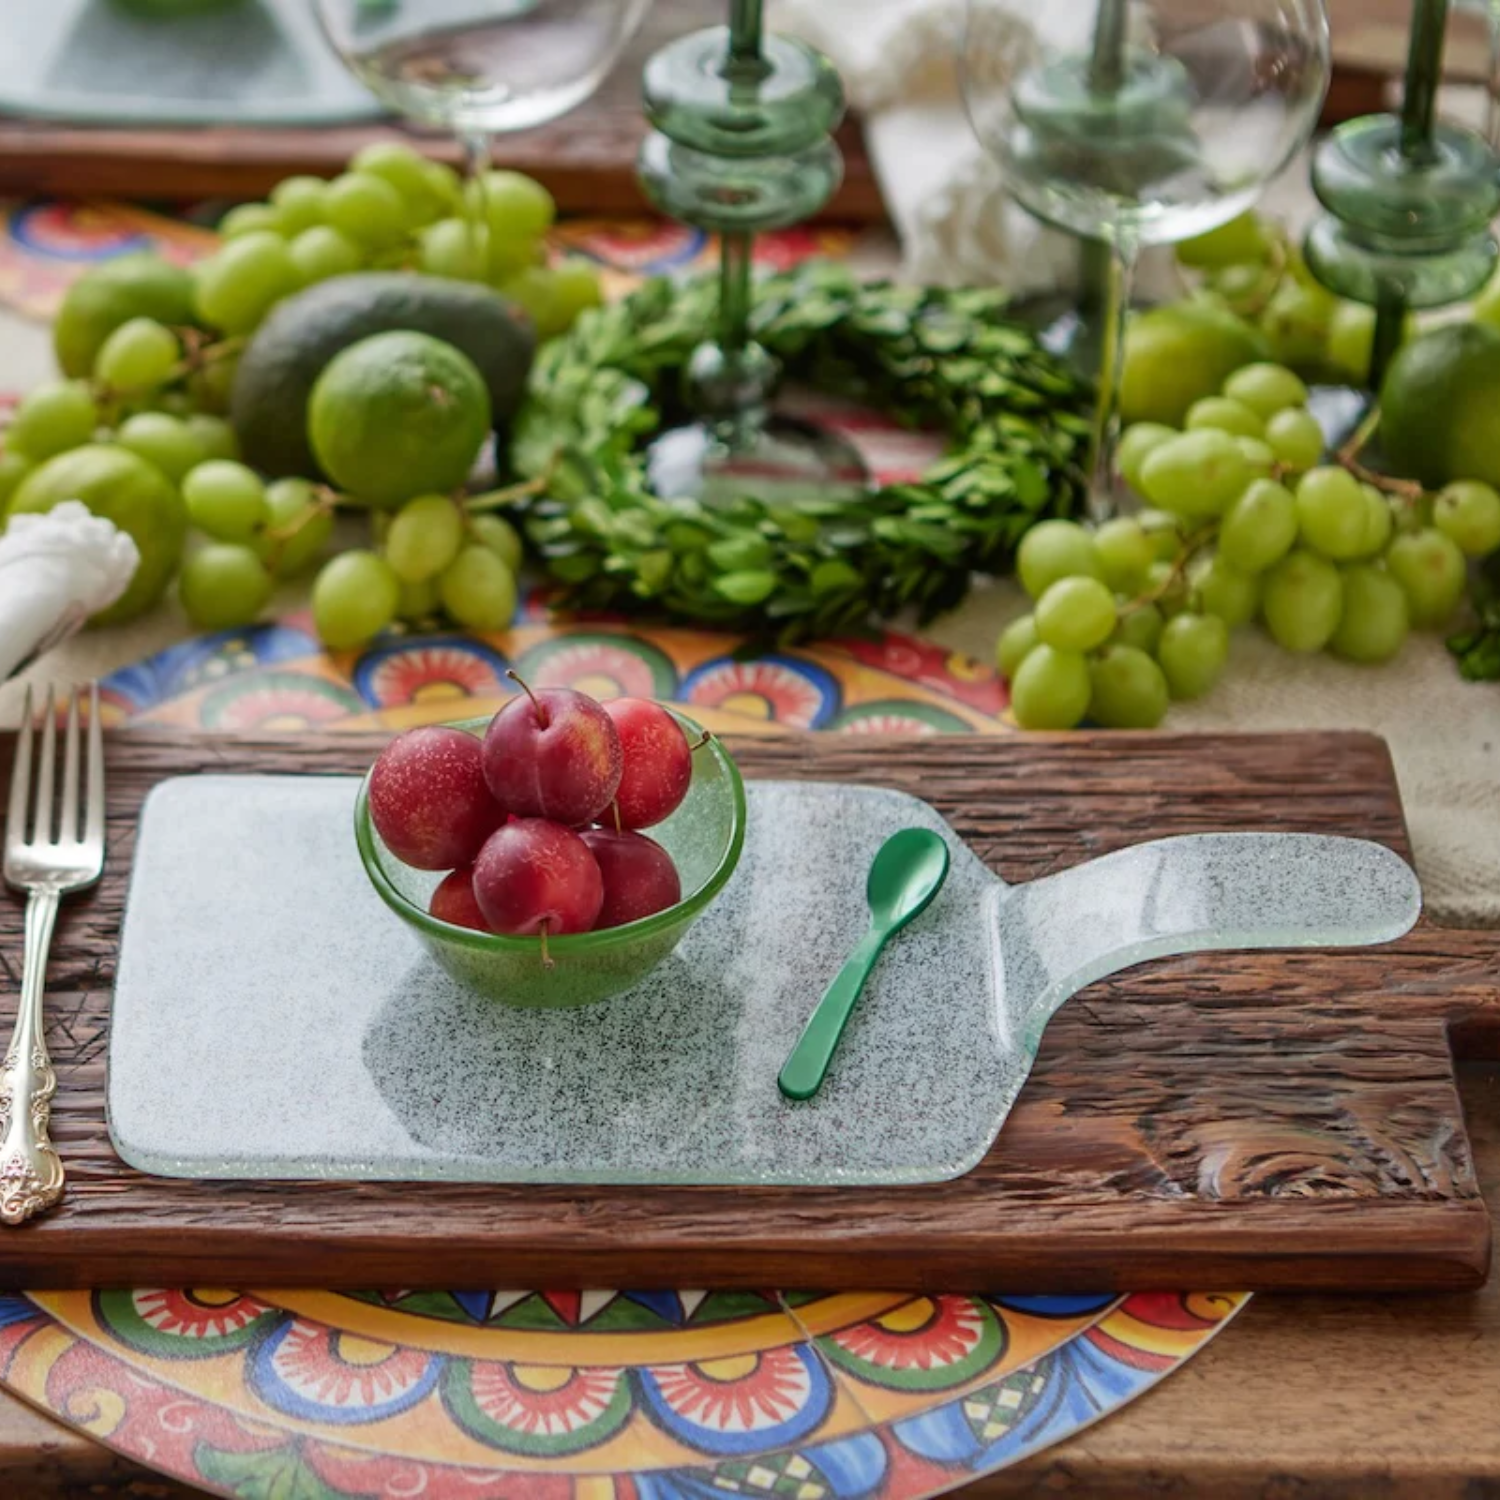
(47, 857)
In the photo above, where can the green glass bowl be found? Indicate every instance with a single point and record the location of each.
(704, 837)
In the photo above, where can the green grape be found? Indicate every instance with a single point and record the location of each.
(1374, 622)
(1124, 552)
(223, 586)
(1076, 614)
(454, 248)
(478, 591)
(577, 287)
(1233, 597)
(215, 435)
(1224, 415)
(1197, 475)
(210, 387)
(14, 467)
(1140, 627)
(1053, 550)
(1239, 284)
(1295, 438)
(139, 356)
(52, 419)
(367, 209)
(1243, 238)
(1432, 573)
(1192, 653)
(1379, 522)
(1128, 689)
(173, 403)
(496, 533)
(166, 441)
(235, 288)
(1257, 455)
(1164, 531)
(511, 255)
(1136, 442)
(354, 598)
(1051, 689)
(249, 218)
(296, 529)
(1260, 528)
(424, 537)
(516, 206)
(226, 500)
(1331, 513)
(534, 291)
(1301, 600)
(321, 252)
(1351, 341)
(445, 185)
(1296, 321)
(406, 171)
(1468, 514)
(299, 203)
(1168, 587)
(419, 601)
(1266, 389)
(1016, 640)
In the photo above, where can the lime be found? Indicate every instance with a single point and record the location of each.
(1440, 406)
(397, 415)
(1176, 354)
(114, 483)
(142, 285)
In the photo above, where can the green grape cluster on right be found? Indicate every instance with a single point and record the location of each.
(1245, 522)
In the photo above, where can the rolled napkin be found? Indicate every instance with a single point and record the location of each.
(946, 196)
(57, 569)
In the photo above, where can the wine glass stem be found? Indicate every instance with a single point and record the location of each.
(1120, 273)
(477, 145)
(734, 293)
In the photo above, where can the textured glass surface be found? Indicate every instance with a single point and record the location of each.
(272, 1019)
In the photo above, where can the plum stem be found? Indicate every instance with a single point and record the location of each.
(614, 807)
(541, 713)
(698, 745)
(547, 962)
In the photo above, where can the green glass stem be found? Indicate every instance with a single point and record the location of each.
(476, 146)
(1107, 60)
(746, 28)
(1119, 274)
(734, 292)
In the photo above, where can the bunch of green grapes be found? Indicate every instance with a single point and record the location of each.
(1251, 267)
(393, 209)
(1247, 522)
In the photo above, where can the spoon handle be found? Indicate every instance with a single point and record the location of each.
(802, 1074)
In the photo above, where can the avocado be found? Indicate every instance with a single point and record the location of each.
(290, 349)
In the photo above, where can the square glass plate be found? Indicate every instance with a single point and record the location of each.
(273, 1020)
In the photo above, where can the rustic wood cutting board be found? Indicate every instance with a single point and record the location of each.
(586, 159)
(1267, 1120)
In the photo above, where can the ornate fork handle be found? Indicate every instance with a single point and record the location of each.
(31, 1174)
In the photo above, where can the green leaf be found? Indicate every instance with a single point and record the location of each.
(741, 553)
(746, 588)
(835, 574)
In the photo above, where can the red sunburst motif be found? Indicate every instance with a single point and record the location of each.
(309, 1360)
(420, 671)
(196, 1315)
(949, 1334)
(888, 724)
(582, 1398)
(600, 666)
(772, 1393)
(760, 689)
(280, 707)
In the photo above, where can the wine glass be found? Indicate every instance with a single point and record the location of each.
(1140, 122)
(480, 67)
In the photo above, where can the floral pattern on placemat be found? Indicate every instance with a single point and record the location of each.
(588, 1395)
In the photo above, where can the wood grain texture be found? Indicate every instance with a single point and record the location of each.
(1318, 1397)
(1265, 1120)
(586, 158)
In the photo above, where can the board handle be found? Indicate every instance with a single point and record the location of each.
(1198, 893)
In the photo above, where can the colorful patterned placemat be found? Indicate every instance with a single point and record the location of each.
(588, 1395)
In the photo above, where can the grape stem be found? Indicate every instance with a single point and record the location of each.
(325, 503)
(1410, 490)
(498, 499)
(1191, 547)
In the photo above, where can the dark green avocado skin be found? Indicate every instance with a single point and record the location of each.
(276, 374)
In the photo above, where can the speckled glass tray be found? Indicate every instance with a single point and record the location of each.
(273, 1020)
(261, 62)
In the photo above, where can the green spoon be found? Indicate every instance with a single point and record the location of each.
(908, 871)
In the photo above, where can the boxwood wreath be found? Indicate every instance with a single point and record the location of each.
(1016, 419)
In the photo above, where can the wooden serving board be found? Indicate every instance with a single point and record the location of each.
(586, 158)
(1265, 1120)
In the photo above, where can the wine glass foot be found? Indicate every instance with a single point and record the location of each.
(783, 460)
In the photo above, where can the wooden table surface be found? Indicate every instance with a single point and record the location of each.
(1318, 1398)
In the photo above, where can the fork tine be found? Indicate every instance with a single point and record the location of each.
(67, 829)
(94, 809)
(20, 779)
(41, 828)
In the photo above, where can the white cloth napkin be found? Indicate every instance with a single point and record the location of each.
(56, 570)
